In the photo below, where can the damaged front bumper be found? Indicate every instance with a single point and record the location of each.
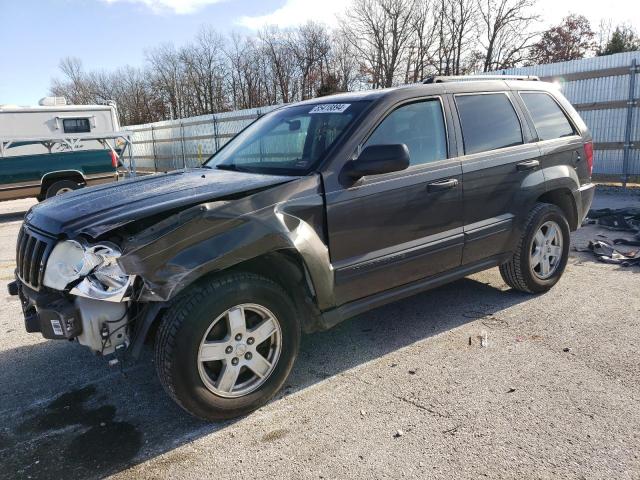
(49, 313)
(99, 325)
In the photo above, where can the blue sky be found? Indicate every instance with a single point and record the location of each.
(104, 34)
(36, 34)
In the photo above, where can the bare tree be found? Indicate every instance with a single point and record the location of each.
(167, 77)
(136, 101)
(455, 28)
(344, 64)
(310, 44)
(380, 31)
(246, 84)
(205, 69)
(380, 43)
(506, 31)
(419, 56)
(127, 86)
(75, 87)
(281, 63)
(605, 29)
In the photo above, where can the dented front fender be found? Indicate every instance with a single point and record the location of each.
(215, 236)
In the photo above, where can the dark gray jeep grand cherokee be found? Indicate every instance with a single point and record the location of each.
(316, 212)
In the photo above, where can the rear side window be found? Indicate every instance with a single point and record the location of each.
(420, 126)
(549, 120)
(488, 122)
(76, 125)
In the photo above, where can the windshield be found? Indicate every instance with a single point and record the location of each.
(290, 141)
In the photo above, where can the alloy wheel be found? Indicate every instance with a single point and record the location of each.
(546, 250)
(239, 350)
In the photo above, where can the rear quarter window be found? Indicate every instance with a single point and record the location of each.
(548, 118)
(488, 122)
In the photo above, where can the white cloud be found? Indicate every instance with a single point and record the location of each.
(296, 12)
(180, 7)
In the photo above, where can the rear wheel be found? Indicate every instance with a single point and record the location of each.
(60, 187)
(542, 253)
(225, 348)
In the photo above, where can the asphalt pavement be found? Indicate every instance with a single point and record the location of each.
(405, 391)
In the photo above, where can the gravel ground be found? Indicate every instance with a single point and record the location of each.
(403, 391)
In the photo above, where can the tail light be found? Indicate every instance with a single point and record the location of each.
(114, 159)
(588, 154)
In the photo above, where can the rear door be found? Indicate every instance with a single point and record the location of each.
(500, 170)
(558, 139)
(391, 229)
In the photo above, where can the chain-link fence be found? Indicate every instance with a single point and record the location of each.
(173, 144)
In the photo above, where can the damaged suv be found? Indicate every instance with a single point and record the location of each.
(314, 213)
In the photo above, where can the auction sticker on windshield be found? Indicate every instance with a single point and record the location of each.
(330, 108)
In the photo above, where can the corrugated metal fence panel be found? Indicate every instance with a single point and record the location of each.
(575, 66)
(610, 162)
(603, 89)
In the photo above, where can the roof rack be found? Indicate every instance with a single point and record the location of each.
(475, 78)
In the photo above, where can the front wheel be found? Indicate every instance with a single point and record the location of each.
(227, 347)
(542, 252)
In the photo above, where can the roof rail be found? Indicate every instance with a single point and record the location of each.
(475, 78)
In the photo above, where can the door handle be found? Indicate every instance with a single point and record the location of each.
(528, 165)
(442, 185)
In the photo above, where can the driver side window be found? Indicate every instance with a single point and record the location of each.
(420, 126)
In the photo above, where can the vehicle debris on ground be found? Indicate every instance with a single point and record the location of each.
(608, 250)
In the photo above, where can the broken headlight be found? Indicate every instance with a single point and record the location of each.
(96, 266)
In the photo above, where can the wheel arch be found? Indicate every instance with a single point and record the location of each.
(50, 178)
(563, 199)
(285, 267)
(289, 269)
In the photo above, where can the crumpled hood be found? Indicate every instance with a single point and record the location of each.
(97, 210)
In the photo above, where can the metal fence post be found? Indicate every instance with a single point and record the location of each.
(216, 143)
(628, 126)
(184, 160)
(153, 146)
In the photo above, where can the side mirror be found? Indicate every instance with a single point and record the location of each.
(377, 159)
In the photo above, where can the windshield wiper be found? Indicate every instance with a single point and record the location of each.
(229, 166)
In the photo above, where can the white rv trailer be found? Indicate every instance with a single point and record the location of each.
(52, 119)
(55, 142)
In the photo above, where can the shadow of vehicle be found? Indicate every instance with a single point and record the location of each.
(66, 416)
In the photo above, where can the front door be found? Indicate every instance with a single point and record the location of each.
(391, 229)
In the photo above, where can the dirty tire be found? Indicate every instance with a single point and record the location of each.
(182, 329)
(517, 272)
(61, 186)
